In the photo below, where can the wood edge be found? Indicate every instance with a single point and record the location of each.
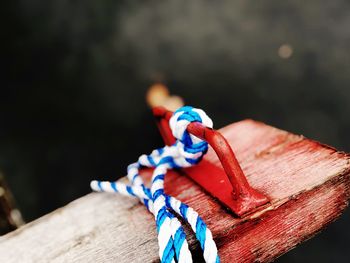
(41, 219)
(346, 183)
(342, 178)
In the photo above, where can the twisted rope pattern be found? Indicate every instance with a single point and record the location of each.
(187, 151)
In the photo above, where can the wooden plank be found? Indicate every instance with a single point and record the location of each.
(308, 184)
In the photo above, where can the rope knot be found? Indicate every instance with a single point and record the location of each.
(189, 146)
(187, 151)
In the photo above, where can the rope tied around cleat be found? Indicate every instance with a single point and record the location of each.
(187, 151)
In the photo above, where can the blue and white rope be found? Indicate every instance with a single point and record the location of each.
(187, 151)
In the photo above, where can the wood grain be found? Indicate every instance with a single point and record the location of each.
(307, 183)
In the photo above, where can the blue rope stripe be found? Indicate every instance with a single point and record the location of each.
(200, 231)
(158, 177)
(173, 246)
(197, 224)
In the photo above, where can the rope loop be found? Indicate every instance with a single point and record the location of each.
(188, 150)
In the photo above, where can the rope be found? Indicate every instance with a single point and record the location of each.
(188, 150)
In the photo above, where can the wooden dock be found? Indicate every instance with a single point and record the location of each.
(307, 183)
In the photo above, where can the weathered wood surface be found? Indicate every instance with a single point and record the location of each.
(308, 184)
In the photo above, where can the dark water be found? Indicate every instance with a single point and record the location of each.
(75, 74)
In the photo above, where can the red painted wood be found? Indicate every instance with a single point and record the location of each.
(235, 193)
(307, 183)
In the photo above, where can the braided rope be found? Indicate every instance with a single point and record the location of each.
(187, 151)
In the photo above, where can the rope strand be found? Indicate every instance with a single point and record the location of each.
(188, 150)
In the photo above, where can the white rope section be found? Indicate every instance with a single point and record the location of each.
(187, 151)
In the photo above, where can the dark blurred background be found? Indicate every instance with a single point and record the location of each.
(75, 75)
